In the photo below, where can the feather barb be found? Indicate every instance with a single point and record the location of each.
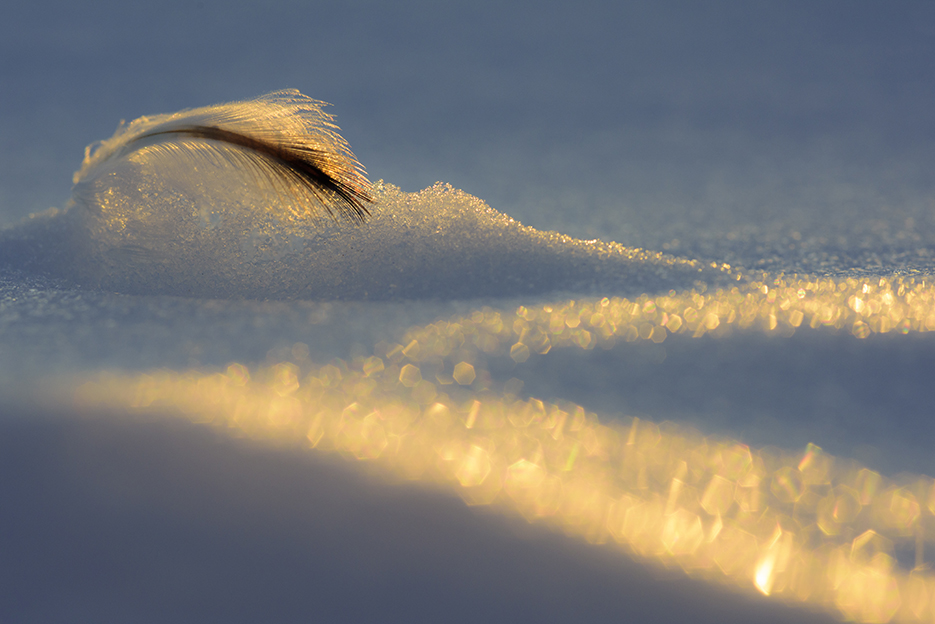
(284, 135)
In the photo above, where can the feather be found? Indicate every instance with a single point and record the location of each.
(284, 139)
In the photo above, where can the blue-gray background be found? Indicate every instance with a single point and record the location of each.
(781, 135)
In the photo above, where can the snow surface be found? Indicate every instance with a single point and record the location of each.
(735, 154)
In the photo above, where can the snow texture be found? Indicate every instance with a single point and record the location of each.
(793, 138)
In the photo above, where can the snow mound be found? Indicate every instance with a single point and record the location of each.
(151, 225)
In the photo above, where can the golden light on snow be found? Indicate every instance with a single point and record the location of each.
(802, 526)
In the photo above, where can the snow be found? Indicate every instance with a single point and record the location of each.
(733, 152)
